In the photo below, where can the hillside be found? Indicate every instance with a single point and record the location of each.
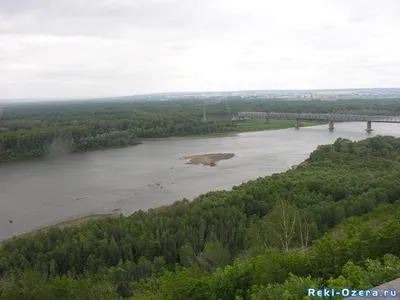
(332, 222)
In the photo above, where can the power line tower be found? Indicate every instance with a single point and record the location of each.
(204, 112)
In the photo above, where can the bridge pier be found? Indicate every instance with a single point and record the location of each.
(369, 127)
(297, 125)
(331, 126)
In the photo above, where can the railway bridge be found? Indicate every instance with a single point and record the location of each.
(329, 118)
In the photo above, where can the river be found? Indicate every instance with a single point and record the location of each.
(42, 192)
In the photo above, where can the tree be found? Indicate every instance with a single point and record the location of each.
(303, 230)
(282, 222)
(187, 256)
(294, 288)
(213, 256)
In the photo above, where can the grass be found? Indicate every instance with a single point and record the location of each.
(259, 124)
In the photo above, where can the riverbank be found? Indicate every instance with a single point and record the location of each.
(65, 224)
(261, 125)
(242, 126)
(186, 137)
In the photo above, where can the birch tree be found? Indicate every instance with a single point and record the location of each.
(303, 230)
(282, 222)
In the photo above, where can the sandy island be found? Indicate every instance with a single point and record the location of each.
(208, 159)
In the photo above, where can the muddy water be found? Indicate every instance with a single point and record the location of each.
(43, 192)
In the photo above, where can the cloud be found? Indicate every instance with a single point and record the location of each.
(73, 48)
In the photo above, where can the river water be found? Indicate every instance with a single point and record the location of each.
(42, 192)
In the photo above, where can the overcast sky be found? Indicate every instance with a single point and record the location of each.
(95, 48)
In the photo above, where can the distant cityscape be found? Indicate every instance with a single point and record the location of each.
(289, 95)
(327, 95)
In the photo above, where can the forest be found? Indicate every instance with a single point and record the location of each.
(332, 222)
(36, 129)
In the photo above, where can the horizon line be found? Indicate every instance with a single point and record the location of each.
(191, 92)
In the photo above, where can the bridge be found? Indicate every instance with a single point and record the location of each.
(331, 118)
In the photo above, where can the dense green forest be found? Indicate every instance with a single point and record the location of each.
(31, 130)
(332, 222)
(36, 129)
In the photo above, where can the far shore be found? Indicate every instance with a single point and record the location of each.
(191, 137)
(230, 133)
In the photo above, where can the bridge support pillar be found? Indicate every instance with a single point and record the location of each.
(331, 126)
(369, 127)
(297, 125)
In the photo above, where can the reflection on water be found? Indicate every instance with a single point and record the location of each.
(42, 192)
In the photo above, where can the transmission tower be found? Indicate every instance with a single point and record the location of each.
(204, 112)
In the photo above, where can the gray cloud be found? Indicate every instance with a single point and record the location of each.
(106, 17)
(74, 48)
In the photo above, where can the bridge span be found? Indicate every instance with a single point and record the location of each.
(331, 118)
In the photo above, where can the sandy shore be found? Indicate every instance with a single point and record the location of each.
(208, 159)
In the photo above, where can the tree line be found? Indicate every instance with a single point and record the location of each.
(30, 130)
(332, 222)
(34, 135)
